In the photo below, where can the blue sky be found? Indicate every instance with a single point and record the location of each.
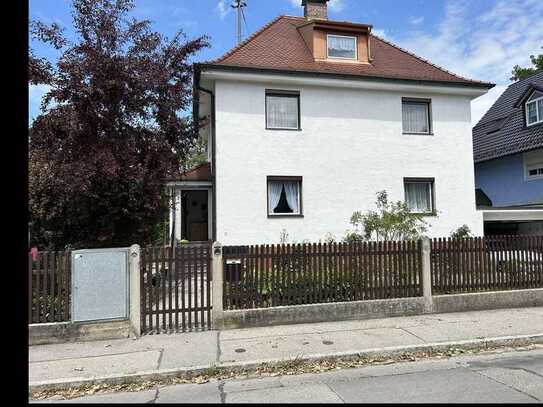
(480, 39)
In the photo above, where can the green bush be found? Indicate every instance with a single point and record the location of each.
(462, 232)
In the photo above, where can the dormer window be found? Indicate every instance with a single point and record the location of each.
(341, 47)
(534, 111)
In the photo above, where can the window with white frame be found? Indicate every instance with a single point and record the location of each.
(342, 47)
(419, 195)
(284, 196)
(534, 171)
(534, 111)
(533, 165)
(282, 110)
(416, 116)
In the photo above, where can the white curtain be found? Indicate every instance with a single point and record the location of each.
(282, 112)
(341, 47)
(292, 193)
(419, 197)
(415, 117)
(532, 112)
(274, 194)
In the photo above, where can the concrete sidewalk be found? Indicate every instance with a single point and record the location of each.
(118, 360)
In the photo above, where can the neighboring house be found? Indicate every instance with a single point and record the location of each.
(309, 118)
(508, 156)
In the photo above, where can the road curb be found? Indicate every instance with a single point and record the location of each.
(144, 376)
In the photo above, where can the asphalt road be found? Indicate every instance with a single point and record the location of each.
(506, 377)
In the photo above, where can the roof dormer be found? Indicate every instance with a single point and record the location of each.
(532, 102)
(334, 41)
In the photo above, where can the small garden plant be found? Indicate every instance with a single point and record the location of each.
(462, 232)
(391, 221)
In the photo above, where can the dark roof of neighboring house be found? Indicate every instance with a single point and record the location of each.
(200, 172)
(279, 46)
(502, 130)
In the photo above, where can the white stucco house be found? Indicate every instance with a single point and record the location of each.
(308, 119)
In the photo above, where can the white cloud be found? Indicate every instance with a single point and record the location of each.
(336, 5)
(416, 20)
(483, 47)
(381, 33)
(223, 8)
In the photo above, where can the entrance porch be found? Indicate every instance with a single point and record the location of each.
(191, 207)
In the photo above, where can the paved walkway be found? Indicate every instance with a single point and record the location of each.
(158, 353)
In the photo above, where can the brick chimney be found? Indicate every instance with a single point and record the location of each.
(315, 9)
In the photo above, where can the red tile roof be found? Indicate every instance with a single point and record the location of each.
(200, 172)
(280, 46)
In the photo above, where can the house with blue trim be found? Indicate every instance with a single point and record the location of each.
(508, 158)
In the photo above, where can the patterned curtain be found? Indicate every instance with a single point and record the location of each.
(419, 197)
(274, 194)
(282, 112)
(341, 47)
(292, 193)
(415, 117)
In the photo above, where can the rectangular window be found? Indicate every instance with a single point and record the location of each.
(534, 111)
(283, 110)
(534, 171)
(416, 116)
(533, 164)
(284, 196)
(419, 195)
(341, 47)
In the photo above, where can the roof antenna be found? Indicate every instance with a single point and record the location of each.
(239, 4)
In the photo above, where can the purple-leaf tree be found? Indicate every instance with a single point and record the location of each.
(112, 127)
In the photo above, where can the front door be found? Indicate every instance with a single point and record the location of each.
(195, 215)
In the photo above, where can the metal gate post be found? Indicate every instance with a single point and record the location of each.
(217, 270)
(134, 293)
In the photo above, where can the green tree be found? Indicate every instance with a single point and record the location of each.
(198, 153)
(520, 73)
(391, 221)
(111, 128)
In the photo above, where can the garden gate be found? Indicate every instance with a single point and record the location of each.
(176, 288)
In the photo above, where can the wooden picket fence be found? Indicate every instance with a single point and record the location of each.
(49, 287)
(176, 288)
(274, 275)
(486, 264)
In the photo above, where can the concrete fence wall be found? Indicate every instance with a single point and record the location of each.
(338, 311)
(221, 319)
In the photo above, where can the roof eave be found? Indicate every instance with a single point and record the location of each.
(321, 23)
(507, 154)
(478, 85)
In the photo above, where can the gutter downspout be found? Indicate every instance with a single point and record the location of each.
(196, 117)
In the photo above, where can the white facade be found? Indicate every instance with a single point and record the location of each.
(350, 147)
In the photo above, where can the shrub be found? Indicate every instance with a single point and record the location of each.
(462, 232)
(391, 221)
